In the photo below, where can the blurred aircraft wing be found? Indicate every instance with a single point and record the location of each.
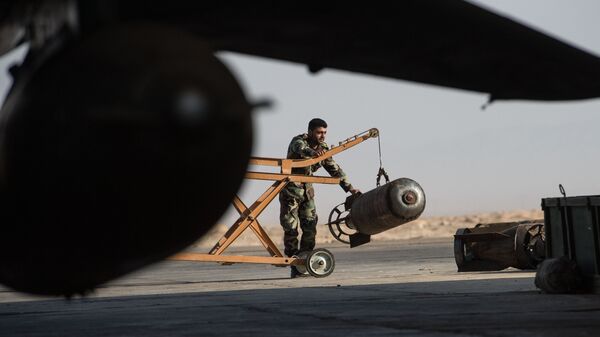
(449, 43)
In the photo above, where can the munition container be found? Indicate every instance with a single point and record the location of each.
(496, 246)
(573, 230)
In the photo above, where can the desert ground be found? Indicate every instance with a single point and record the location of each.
(422, 228)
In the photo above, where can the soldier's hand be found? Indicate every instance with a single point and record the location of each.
(354, 191)
(320, 151)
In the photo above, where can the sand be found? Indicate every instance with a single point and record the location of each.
(428, 227)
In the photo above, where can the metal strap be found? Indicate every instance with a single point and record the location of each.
(381, 171)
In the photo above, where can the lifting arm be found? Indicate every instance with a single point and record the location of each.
(287, 164)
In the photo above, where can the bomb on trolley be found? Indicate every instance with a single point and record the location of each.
(354, 221)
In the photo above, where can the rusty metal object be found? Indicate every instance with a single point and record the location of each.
(497, 246)
(376, 211)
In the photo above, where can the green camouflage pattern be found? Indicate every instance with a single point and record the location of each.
(300, 149)
(297, 199)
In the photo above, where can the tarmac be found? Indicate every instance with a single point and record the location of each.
(396, 288)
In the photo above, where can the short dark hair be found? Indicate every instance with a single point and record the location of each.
(316, 123)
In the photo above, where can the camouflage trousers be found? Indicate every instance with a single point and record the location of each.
(298, 210)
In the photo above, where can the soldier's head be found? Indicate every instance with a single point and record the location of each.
(317, 129)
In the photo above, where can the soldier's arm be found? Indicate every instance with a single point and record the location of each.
(335, 170)
(302, 149)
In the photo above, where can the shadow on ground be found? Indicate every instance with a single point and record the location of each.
(451, 308)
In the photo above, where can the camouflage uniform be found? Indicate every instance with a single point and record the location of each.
(297, 199)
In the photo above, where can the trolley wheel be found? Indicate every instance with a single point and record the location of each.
(320, 263)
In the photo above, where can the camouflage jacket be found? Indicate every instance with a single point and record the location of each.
(300, 149)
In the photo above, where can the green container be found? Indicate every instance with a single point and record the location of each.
(572, 226)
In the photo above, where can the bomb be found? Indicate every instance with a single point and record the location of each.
(381, 209)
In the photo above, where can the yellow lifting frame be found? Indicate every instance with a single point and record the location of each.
(248, 215)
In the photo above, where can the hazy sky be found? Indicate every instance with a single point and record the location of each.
(467, 160)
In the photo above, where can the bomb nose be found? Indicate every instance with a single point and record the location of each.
(409, 198)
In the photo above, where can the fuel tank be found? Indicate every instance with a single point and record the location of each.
(118, 150)
(386, 207)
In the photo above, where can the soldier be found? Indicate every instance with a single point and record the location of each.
(297, 199)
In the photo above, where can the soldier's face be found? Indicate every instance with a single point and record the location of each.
(318, 134)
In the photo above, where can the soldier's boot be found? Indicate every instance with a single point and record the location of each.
(295, 273)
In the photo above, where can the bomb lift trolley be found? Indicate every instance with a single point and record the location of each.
(319, 262)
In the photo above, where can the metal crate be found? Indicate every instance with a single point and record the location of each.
(572, 230)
